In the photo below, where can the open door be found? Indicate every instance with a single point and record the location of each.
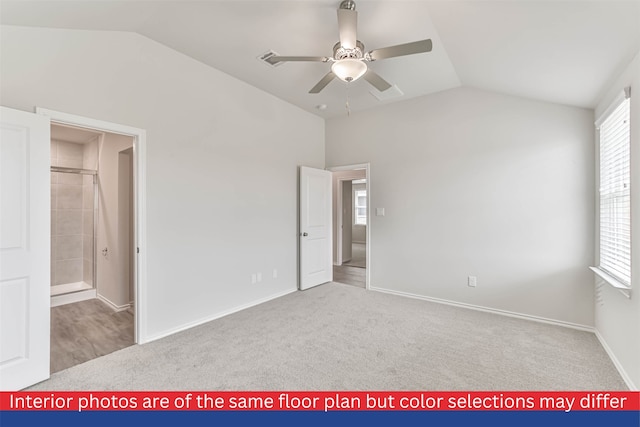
(316, 265)
(25, 193)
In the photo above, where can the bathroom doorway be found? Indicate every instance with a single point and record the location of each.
(93, 244)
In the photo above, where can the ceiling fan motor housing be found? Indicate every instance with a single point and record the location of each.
(340, 52)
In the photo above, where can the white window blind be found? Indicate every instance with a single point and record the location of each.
(615, 195)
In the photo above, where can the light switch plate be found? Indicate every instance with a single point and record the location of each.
(379, 211)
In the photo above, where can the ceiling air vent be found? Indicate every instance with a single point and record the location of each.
(265, 58)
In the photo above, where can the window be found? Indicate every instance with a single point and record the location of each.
(615, 197)
(360, 204)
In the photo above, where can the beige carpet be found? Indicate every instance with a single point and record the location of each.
(340, 337)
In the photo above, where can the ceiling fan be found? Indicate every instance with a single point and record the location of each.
(349, 60)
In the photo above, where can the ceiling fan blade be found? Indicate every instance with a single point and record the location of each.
(401, 50)
(348, 26)
(323, 82)
(376, 81)
(273, 60)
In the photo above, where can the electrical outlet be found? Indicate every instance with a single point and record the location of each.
(472, 281)
(254, 278)
(275, 273)
(259, 276)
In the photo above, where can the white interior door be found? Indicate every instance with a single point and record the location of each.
(25, 229)
(316, 265)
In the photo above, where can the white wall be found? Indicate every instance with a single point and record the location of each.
(222, 161)
(112, 269)
(477, 183)
(618, 318)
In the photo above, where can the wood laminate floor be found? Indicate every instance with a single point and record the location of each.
(358, 255)
(85, 330)
(348, 275)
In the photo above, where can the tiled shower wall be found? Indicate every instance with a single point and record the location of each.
(72, 207)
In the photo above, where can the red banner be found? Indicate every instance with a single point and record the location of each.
(319, 401)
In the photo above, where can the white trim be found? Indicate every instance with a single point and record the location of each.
(112, 305)
(490, 310)
(87, 122)
(58, 300)
(616, 362)
(367, 168)
(218, 315)
(140, 208)
(67, 288)
(625, 94)
(612, 281)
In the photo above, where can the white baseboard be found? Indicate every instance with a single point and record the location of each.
(113, 306)
(63, 299)
(216, 316)
(489, 310)
(616, 362)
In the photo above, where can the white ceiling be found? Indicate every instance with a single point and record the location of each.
(559, 51)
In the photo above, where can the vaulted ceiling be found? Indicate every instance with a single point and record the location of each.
(559, 51)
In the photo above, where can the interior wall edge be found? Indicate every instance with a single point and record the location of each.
(623, 373)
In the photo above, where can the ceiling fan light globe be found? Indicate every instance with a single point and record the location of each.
(348, 69)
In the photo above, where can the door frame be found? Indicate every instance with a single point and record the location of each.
(140, 197)
(338, 199)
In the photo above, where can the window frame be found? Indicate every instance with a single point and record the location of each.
(356, 206)
(614, 270)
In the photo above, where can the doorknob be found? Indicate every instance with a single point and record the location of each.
(305, 234)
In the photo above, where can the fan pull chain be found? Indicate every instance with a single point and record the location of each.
(347, 103)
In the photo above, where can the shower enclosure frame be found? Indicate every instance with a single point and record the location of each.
(94, 174)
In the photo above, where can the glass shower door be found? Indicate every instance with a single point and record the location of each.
(73, 229)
